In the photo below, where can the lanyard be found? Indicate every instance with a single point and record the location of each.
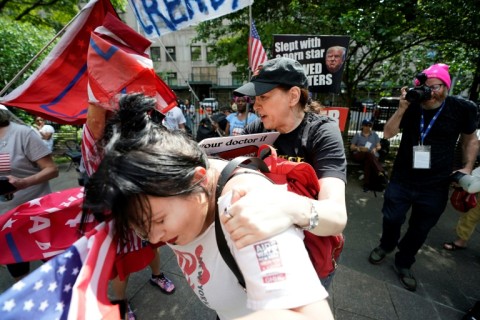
(424, 131)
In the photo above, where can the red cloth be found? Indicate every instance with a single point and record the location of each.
(57, 90)
(41, 228)
(72, 285)
(118, 64)
(256, 52)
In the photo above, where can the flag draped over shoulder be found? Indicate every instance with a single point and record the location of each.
(256, 52)
(158, 18)
(72, 285)
(42, 228)
(57, 90)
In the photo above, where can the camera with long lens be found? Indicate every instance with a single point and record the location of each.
(419, 93)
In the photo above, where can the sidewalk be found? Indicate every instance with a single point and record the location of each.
(448, 282)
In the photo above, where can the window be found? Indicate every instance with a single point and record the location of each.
(172, 52)
(205, 74)
(210, 55)
(196, 53)
(155, 53)
(237, 79)
(172, 78)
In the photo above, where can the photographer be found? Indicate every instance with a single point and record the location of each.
(431, 122)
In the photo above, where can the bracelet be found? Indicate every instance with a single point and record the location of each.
(313, 218)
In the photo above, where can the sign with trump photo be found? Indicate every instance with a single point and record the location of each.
(323, 58)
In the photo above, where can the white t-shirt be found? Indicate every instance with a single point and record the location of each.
(277, 271)
(173, 118)
(48, 129)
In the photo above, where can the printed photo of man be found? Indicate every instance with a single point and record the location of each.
(335, 58)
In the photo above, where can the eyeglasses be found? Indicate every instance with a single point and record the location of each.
(436, 87)
(39, 120)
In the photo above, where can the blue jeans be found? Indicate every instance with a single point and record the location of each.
(427, 204)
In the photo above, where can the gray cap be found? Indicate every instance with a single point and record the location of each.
(271, 74)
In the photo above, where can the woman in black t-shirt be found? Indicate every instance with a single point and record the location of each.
(281, 95)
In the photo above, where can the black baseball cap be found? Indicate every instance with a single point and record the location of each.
(271, 74)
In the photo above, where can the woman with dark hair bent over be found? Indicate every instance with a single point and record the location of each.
(162, 185)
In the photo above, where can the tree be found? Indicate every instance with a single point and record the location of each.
(453, 24)
(48, 13)
(20, 42)
(390, 40)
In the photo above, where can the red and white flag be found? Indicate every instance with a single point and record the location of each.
(118, 64)
(57, 90)
(256, 52)
(72, 285)
(43, 227)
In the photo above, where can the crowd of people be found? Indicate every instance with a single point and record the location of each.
(176, 205)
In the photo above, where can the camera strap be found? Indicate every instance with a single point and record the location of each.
(424, 131)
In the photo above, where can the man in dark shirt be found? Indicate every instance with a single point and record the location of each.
(431, 123)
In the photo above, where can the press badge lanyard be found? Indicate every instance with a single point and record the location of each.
(422, 153)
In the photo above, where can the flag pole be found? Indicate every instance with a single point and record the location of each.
(22, 71)
(249, 57)
(249, 40)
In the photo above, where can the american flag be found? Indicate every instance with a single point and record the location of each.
(256, 52)
(72, 285)
(4, 160)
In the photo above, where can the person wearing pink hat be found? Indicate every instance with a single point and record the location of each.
(431, 122)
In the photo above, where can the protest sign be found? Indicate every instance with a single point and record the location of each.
(322, 57)
(242, 145)
(340, 115)
(160, 17)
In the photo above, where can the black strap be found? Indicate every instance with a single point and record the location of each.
(301, 144)
(225, 175)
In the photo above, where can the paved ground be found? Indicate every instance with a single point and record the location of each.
(449, 282)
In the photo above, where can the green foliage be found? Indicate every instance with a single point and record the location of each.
(41, 13)
(20, 42)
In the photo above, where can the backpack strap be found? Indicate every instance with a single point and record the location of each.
(225, 175)
(306, 130)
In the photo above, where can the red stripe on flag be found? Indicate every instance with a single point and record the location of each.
(89, 298)
(90, 157)
(256, 52)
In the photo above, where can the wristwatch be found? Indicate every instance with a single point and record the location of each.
(313, 217)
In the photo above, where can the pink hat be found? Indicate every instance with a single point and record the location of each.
(440, 71)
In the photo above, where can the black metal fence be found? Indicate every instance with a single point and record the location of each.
(377, 113)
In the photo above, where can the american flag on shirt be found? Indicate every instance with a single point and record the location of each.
(4, 162)
(73, 285)
(256, 52)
